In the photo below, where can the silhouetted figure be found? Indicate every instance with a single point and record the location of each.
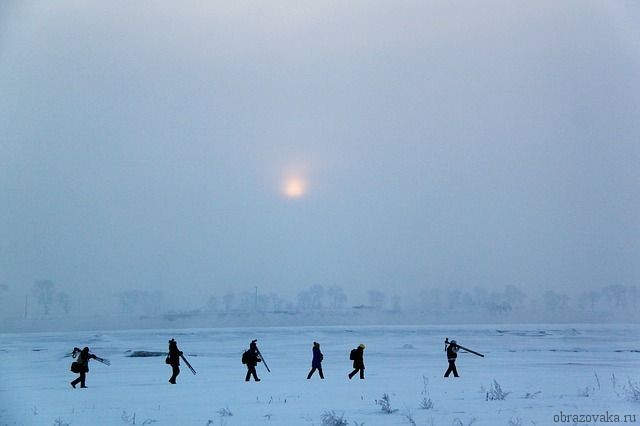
(173, 359)
(357, 355)
(251, 357)
(316, 362)
(81, 365)
(452, 354)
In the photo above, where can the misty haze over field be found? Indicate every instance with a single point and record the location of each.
(227, 162)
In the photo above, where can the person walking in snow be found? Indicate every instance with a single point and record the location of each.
(357, 355)
(81, 365)
(452, 353)
(173, 359)
(316, 362)
(251, 357)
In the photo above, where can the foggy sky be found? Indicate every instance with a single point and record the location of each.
(446, 144)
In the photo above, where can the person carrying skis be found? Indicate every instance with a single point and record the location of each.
(452, 354)
(173, 359)
(81, 365)
(357, 355)
(251, 357)
(316, 362)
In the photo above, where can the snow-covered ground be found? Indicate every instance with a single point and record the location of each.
(548, 369)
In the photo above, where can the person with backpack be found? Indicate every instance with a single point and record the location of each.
(81, 365)
(357, 356)
(173, 359)
(452, 354)
(251, 358)
(316, 362)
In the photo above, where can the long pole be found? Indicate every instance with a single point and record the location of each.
(446, 342)
(263, 361)
(469, 350)
(188, 365)
(102, 360)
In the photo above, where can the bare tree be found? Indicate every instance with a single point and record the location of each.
(615, 294)
(212, 304)
(395, 303)
(247, 301)
(514, 296)
(126, 302)
(590, 299)
(304, 300)
(227, 301)
(265, 302)
(555, 301)
(632, 295)
(498, 307)
(278, 303)
(377, 299)
(44, 293)
(316, 294)
(337, 297)
(63, 299)
(466, 300)
(455, 298)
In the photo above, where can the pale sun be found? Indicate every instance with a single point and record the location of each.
(294, 187)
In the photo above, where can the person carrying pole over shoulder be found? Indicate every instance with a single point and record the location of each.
(81, 365)
(251, 358)
(452, 353)
(173, 359)
(452, 347)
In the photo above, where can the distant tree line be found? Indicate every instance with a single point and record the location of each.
(316, 298)
(426, 304)
(512, 301)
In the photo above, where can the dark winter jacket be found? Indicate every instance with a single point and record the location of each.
(83, 359)
(358, 360)
(316, 362)
(253, 356)
(452, 352)
(174, 354)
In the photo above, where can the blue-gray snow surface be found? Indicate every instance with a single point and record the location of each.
(547, 370)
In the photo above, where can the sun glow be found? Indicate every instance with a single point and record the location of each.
(294, 187)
